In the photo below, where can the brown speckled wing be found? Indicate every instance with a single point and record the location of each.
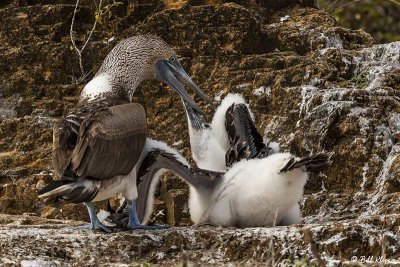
(62, 151)
(99, 141)
(110, 142)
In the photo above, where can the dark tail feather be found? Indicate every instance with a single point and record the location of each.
(68, 191)
(53, 185)
(55, 190)
(313, 163)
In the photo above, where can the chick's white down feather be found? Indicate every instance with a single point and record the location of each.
(217, 143)
(251, 193)
(255, 193)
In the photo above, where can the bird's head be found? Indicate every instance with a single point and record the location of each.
(165, 67)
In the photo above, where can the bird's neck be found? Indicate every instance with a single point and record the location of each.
(103, 86)
(99, 87)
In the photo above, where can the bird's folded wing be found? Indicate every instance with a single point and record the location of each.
(64, 139)
(245, 140)
(110, 143)
(158, 159)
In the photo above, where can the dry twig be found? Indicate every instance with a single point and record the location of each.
(72, 34)
(314, 248)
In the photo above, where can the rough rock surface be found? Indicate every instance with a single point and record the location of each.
(28, 240)
(312, 85)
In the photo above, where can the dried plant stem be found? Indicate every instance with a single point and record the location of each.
(338, 4)
(72, 34)
(395, 2)
(347, 4)
(314, 248)
(383, 241)
(270, 262)
(332, 6)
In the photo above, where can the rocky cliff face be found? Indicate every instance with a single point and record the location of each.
(312, 85)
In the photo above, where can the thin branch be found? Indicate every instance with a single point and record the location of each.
(71, 31)
(275, 218)
(314, 248)
(278, 261)
(332, 6)
(383, 242)
(395, 2)
(73, 37)
(94, 27)
(270, 262)
(347, 4)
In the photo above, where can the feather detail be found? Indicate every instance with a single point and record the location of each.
(245, 140)
(68, 191)
(158, 159)
(313, 163)
(99, 139)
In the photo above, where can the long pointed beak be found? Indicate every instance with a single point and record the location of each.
(165, 74)
(184, 78)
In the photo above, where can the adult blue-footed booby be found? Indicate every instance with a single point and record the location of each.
(98, 144)
(258, 190)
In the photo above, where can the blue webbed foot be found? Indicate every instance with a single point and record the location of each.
(134, 224)
(95, 224)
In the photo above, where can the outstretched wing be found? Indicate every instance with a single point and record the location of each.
(109, 142)
(157, 160)
(245, 141)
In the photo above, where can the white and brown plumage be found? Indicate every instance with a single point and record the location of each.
(133, 60)
(98, 144)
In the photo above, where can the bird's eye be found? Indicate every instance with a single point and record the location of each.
(172, 59)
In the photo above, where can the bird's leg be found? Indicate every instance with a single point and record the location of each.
(94, 221)
(133, 222)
